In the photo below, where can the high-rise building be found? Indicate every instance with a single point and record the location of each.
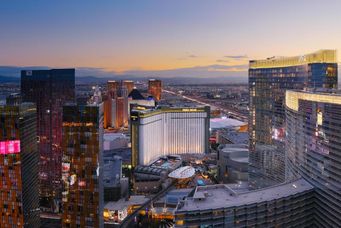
(14, 99)
(313, 126)
(311, 195)
(168, 131)
(113, 87)
(120, 117)
(108, 102)
(128, 84)
(116, 108)
(268, 81)
(49, 90)
(155, 88)
(19, 156)
(82, 166)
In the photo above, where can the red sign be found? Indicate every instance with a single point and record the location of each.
(10, 147)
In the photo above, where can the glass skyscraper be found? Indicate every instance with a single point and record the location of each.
(268, 81)
(49, 90)
(19, 184)
(82, 166)
(313, 148)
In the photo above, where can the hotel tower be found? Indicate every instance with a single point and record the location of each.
(268, 81)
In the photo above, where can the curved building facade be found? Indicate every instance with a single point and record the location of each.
(268, 81)
(168, 131)
(313, 148)
(284, 205)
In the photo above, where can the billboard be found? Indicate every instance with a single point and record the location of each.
(10, 147)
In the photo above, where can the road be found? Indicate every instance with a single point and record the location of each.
(230, 112)
(129, 219)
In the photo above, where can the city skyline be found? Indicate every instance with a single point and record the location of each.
(181, 114)
(166, 39)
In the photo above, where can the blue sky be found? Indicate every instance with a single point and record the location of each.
(164, 37)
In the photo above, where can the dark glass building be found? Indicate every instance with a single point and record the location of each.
(313, 148)
(19, 183)
(82, 166)
(268, 81)
(49, 90)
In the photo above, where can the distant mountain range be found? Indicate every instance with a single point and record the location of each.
(181, 80)
(7, 79)
(193, 75)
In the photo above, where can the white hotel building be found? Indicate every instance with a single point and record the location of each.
(168, 131)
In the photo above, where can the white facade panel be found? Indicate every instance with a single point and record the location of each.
(171, 133)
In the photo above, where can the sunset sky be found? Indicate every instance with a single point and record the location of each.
(155, 36)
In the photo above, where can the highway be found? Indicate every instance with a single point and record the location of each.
(232, 113)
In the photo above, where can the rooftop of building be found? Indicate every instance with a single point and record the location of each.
(149, 170)
(111, 136)
(145, 112)
(224, 122)
(321, 56)
(330, 96)
(123, 203)
(221, 196)
(124, 153)
(169, 162)
(237, 152)
(183, 172)
(234, 136)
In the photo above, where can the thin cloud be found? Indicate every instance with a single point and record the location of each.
(236, 56)
(192, 56)
(222, 61)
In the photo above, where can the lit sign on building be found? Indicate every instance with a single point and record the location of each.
(189, 110)
(10, 147)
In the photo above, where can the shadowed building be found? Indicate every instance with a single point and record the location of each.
(49, 90)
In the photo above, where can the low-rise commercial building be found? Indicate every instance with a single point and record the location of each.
(233, 163)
